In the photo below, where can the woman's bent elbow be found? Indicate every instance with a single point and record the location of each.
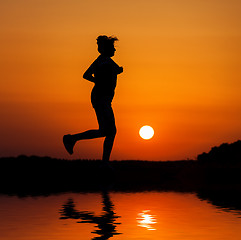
(85, 76)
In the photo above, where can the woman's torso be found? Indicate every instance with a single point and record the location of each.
(105, 72)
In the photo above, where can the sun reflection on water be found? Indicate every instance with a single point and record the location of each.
(146, 220)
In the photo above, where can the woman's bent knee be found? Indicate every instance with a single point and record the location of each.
(109, 132)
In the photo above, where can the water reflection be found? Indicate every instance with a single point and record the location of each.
(227, 199)
(146, 220)
(106, 222)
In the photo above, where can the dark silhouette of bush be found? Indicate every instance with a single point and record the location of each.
(225, 153)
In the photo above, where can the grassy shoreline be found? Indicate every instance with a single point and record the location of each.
(217, 183)
(48, 175)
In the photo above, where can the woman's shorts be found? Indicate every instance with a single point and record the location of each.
(105, 116)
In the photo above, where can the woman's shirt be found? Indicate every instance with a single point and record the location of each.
(105, 72)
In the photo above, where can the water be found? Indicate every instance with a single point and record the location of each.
(114, 215)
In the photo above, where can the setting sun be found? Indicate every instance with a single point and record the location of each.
(146, 132)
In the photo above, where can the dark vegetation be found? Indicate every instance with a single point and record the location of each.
(214, 176)
(225, 153)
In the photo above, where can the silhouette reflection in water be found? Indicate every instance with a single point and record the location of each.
(105, 222)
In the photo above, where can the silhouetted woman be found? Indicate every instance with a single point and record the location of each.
(103, 72)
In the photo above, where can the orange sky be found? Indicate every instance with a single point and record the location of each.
(181, 75)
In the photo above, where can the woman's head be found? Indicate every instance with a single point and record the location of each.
(106, 45)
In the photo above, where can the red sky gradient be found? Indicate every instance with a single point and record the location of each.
(181, 75)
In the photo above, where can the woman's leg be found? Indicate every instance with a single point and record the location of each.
(107, 147)
(90, 134)
(107, 129)
(106, 120)
(70, 140)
